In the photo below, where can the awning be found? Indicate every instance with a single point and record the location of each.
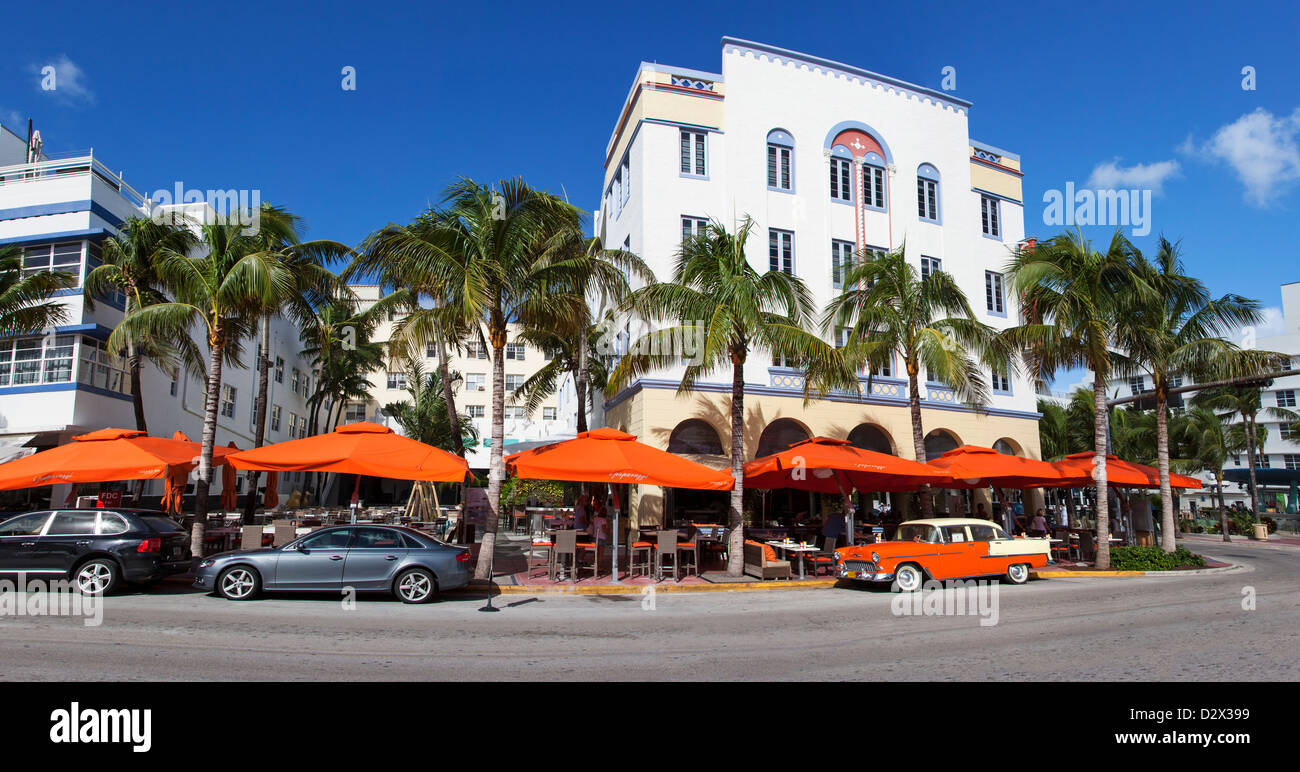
(15, 446)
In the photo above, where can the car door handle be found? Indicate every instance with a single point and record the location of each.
(83, 544)
(28, 544)
(336, 557)
(391, 557)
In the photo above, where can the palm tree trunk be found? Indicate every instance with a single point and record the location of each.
(133, 360)
(1099, 470)
(1168, 536)
(918, 434)
(449, 399)
(1250, 461)
(496, 471)
(259, 416)
(736, 518)
(211, 401)
(580, 383)
(1223, 510)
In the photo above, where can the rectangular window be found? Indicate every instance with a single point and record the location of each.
(228, 394)
(98, 368)
(275, 418)
(513, 382)
(989, 217)
(430, 351)
(1286, 398)
(993, 298)
(780, 361)
(49, 258)
(397, 380)
(1263, 461)
(1137, 385)
(356, 411)
(302, 426)
(873, 186)
(927, 199)
(885, 370)
(1284, 431)
(515, 413)
(841, 179)
(474, 411)
(476, 349)
(693, 226)
(516, 351)
(841, 261)
(626, 177)
(295, 381)
(1291, 461)
(778, 167)
(780, 251)
(930, 265)
(693, 153)
(1001, 381)
(175, 384)
(548, 414)
(279, 370)
(476, 382)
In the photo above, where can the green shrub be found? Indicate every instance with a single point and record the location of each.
(1152, 559)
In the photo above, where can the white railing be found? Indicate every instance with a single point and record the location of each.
(59, 168)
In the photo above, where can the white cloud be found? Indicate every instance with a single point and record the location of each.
(1272, 324)
(1263, 149)
(66, 83)
(1109, 175)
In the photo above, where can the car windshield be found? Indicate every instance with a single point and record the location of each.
(161, 524)
(917, 533)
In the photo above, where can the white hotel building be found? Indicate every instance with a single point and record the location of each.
(58, 211)
(829, 160)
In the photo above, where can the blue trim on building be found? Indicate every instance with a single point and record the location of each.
(61, 207)
(998, 196)
(43, 238)
(41, 388)
(986, 147)
(860, 126)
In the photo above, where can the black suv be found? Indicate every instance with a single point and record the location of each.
(97, 549)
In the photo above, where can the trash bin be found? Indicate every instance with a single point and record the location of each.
(1261, 532)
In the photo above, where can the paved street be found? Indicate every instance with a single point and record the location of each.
(1190, 627)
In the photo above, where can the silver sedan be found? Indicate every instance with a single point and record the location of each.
(411, 565)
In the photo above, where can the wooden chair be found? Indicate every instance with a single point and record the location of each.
(638, 546)
(690, 547)
(251, 537)
(585, 547)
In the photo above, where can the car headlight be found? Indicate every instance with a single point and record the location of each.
(875, 557)
(207, 563)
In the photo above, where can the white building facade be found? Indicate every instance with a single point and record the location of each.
(58, 383)
(830, 161)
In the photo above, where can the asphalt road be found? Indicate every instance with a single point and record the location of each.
(1190, 628)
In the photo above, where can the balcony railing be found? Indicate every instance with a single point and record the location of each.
(60, 168)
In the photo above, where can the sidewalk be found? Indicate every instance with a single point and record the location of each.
(1274, 539)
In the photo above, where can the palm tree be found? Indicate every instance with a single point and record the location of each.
(1243, 401)
(1053, 431)
(716, 296)
(887, 307)
(223, 289)
(128, 268)
(424, 417)
(1205, 433)
(25, 299)
(569, 356)
(1174, 332)
(1071, 298)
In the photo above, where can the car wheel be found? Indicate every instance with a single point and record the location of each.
(96, 577)
(1018, 574)
(415, 586)
(908, 578)
(239, 583)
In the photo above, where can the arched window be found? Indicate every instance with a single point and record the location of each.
(694, 436)
(870, 437)
(780, 160)
(779, 435)
(938, 442)
(1005, 447)
(927, 193)
(841, 174)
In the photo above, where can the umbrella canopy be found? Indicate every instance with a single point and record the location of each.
(102, 456)
(362, 448)
(229, 486)
(812, 465)
(1077, 469)
(971, 466)
(611, 456)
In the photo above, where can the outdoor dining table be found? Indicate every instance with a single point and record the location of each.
(798, 549)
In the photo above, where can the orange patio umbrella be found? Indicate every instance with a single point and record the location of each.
(971, 466)
(823, 465)
(229, 486)
(1077, 470)
(103, 456)
(361, 448)
(611, 456)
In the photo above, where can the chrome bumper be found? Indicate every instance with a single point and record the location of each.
(864, 572)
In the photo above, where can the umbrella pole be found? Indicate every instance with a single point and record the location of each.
(613, 541)
(356, 487)
(848, 508)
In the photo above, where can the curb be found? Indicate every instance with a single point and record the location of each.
(1055, 574)
(637, 589)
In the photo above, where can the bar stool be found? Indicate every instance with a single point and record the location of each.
(636, 546)
(690, 547)
(566, 546)
(583, 548)
(665, 547)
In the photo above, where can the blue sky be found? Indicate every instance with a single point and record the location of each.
(1128, 96)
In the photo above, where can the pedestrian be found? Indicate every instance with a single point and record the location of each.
(981, 513)
(582, 513)
(833, 528)
(1038, 526)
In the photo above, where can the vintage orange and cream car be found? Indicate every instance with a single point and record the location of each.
(943, 548)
